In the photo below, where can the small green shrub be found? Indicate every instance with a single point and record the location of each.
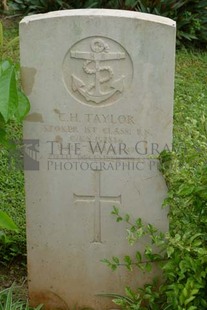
(6, 223)
(8, 302)
(37, 6)
(8, 45)
(14, 106)
(190, 16)
(184, 266)
(182, 258)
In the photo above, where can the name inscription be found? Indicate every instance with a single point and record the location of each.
(97, 118)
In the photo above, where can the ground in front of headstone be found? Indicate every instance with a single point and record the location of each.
(14, 274)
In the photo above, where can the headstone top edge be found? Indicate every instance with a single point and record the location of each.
(100, 13)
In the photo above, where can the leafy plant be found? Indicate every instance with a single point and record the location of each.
(135, 232)
(7, 301)
(145, 298)
(14, 106)
(184, 271)
(190, 15)
(6, 223)
(7, 45)
(148, 297)
(183, 260)
(37, 6)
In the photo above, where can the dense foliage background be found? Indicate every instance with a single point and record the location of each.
(190, 15)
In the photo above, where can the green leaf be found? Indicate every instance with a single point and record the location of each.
(127, 218)
(8, 305)
(139, 222)
(8, 93)
(3, 140)
(115, 211)
(6, 222)
(185, 292)
(186, 189)
(129, 293)
(127, 259)
(13, 42)
(131, 3)
(138, 256)
(148, 267)
(178, 4)
(3, 238)
(170, 251)
(188, 300)
(23, 106)
(1, 35)
(4, 65)
(119, 219)
(115, 259)
(39, 307)
(90, 4)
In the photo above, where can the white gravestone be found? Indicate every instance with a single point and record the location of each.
(100, 84)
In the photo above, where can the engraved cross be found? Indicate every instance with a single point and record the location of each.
(97, 199)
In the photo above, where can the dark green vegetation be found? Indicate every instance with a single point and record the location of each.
(13, 108)
(185, 171)
(182, 253)
(8, 301)
(190, 15)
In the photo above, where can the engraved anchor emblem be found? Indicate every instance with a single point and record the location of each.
(93, 66)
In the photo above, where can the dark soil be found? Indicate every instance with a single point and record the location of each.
(14, 274)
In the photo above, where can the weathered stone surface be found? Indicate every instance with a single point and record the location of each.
(100, 84)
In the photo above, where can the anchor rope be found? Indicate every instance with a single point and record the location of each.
(88, 70)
